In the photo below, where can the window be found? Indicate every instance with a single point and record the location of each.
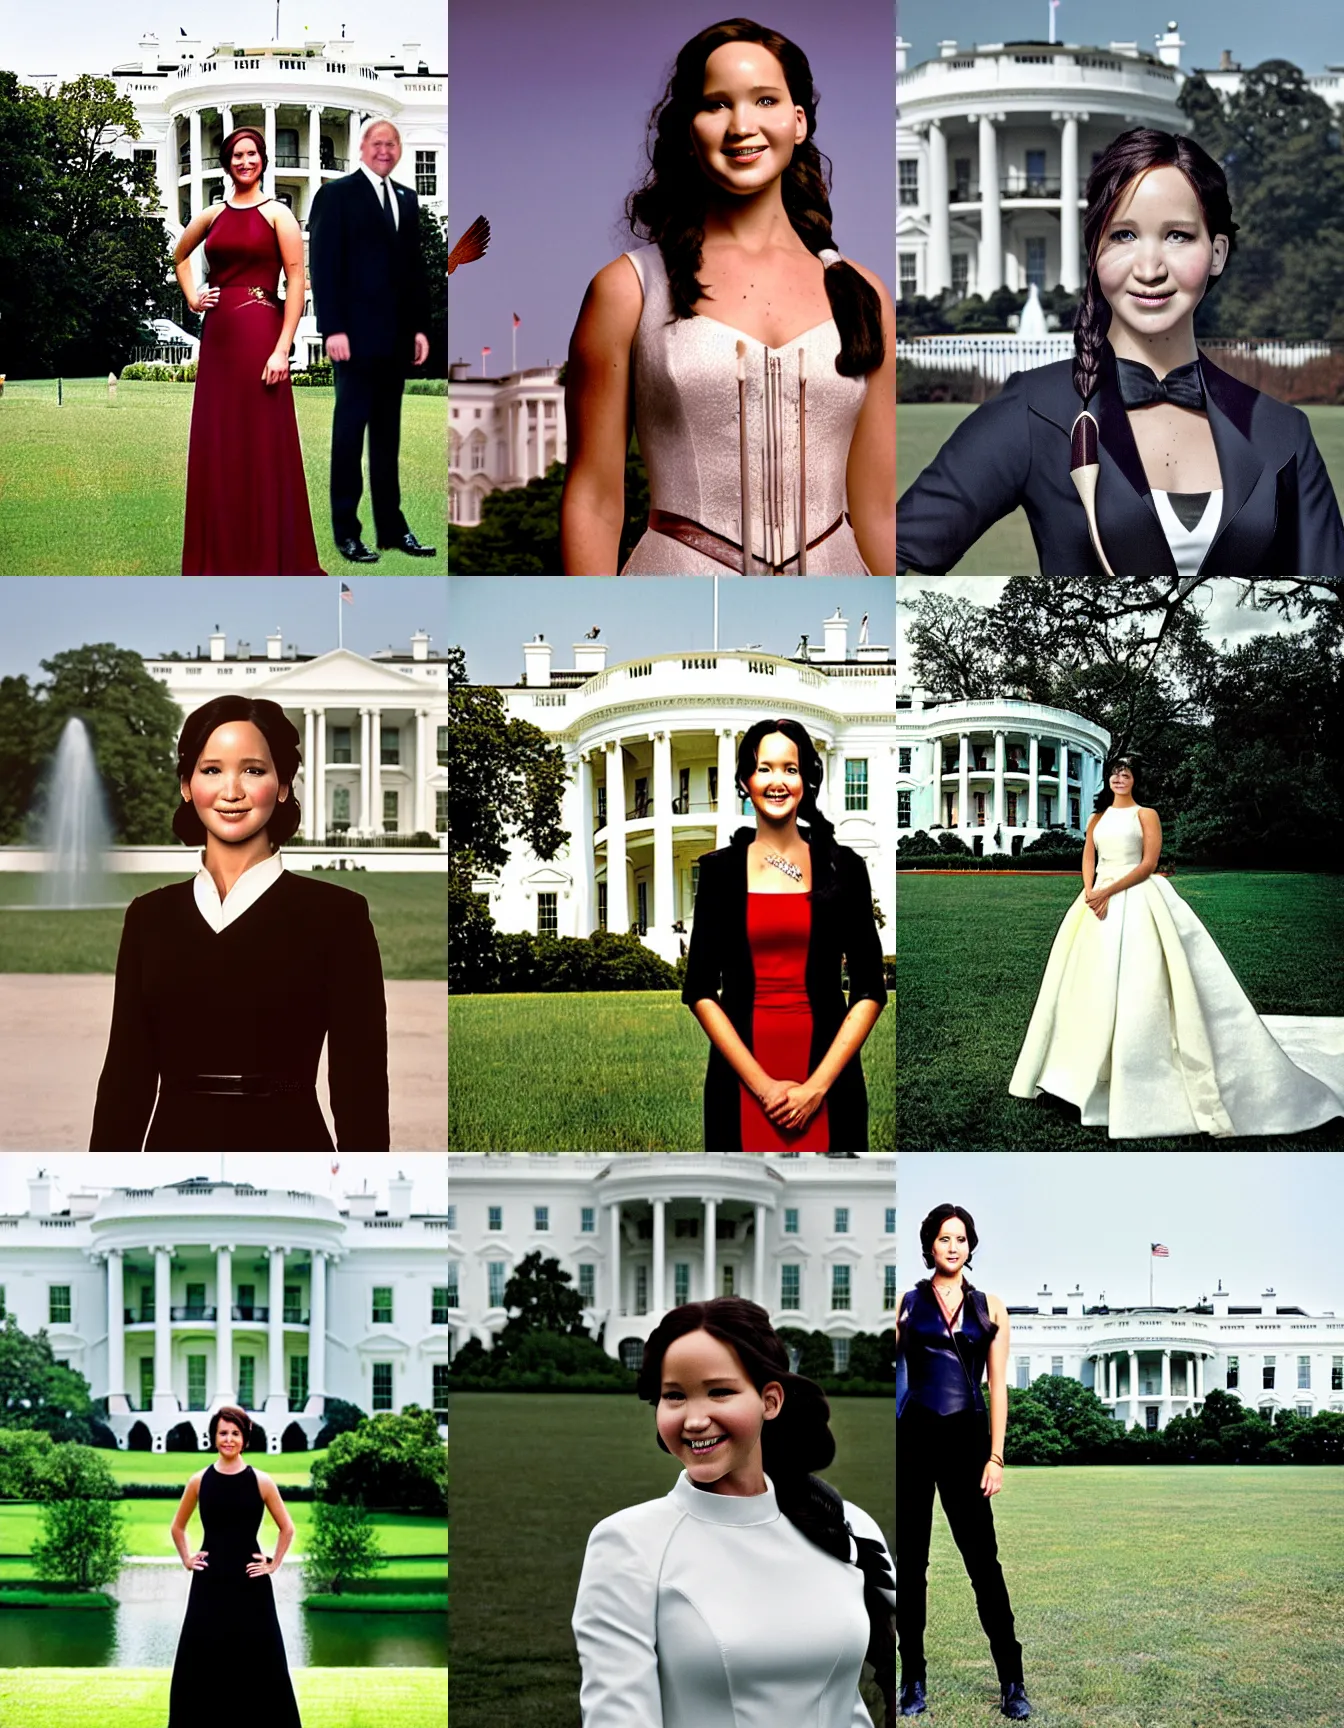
(1073, 812)
(681, 1282)
(541, 1217)
(587, 1284)
(452, 1217)
(1267, 1380)
(340, 744)
(426, 175)
(839, 1286)
(1304, 1373)
(889, 1226)
(440, 812)
(909, 182)
(389, 746)
(382, 1385)
(1023, 1373)
(382, 1305)
(727, 1281)
(856, 783)
(146, 1382)
(1336, 1372)
(494, 1218)
(247, 1382)
(1233, 1373)
(298, 1382)
(588, 1220)
(888, 1289)
(790, 1220)
(961, 275)
(340, 809)
(686, 1227)
(904, 759)
(58, 1304)
(683, 792)
(293, 1311)
(496, 1270)
(195, 1382)
(1304, 1410)
(438, 1306)
(601, 905)
(1035, 173)
(441, 746)
(390, 822)
(1036, 262)
(714, 788)
(1150, 1418)
(641, 1289)
(909, 274)
(195, 1301)
(548, 914)
(840, 1355)
(902, 809)
(146, 1302)
(453, 1292)
(1012, 809)
(842, 1220)
(961, 179)
(1057, 1367)
(789, 1287)
(439, 1375)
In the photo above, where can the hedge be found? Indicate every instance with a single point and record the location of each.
(1069, 861)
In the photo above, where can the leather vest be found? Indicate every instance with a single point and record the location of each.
(944, 1371)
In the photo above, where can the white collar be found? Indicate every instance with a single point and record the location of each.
(377, 182)
(246, 891)
(711, 1508)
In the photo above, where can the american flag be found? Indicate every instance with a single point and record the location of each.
(346, 595)
(516, 320)
(485, 350)
(1160, 1251)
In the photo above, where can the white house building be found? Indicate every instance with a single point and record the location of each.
(309, 100)
(172, 1301)
(997, 772)
(652, 749)
(812, 1240)
(502, 432)
(1150, 1364)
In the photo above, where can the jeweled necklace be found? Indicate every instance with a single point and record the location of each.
(792, 871)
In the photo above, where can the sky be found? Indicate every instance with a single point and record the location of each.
(309, 1173)
(548, 105)
(66, 37)
(1312, 36)
(1066, 1219)
(40, 615)
(492, 616)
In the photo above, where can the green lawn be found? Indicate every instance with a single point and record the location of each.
(513, 1656)
(173, 1468)
(1006, 549)
(97, 489)
(971, 950)
(1205, 1597)
(410, 915)
(601, 1071)
(138, 1697)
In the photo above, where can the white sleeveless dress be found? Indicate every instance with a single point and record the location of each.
(686, 414)
(1141, 1023)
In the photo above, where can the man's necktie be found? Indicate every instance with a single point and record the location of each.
(388, 217)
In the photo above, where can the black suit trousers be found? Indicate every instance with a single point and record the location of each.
(947, 1453)
(368, 397)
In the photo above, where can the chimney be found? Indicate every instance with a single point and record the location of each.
(1226, 62)
(459, 371)
(399, 1196)
(537, 663)
(274, 643)
(361, 1205)
(1221, 1298)
(590, 656)
(1269, 1302)
(1043, 1300)
(1169, 46)
(916, 698)
(1075, 1301)
(837, 639)
(149, 53)
(947, 50)
(902, 49)
(411, 53)
(43, 1195)
(83, 1203)
(420, 646)
(216, 643)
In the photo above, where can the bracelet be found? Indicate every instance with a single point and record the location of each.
(995, 1459)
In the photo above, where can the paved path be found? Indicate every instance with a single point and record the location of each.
(53, 1036)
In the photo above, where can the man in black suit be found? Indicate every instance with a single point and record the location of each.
(371, 301)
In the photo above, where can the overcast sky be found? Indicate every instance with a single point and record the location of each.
(40, 615)
(492, 616)
(1064, 1218)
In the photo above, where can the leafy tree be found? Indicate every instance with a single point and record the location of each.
(340, 1417)
(73, 1472)
(394, 1459)
(950, 841)
(1320, 1441)
(920, 844)
(22, 1451)
(434, 246)
(1032, 1436)
(35, 1393)
(816, 1359)
(82, 1542)
(342, 1546)
(871, 1356)
(473, 958)
(950, 646)
(540, 1297)
(519, 530)
(1081, 1419)
(506, 780)
(18, 764)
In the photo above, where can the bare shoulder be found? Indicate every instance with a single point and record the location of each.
(616, 293)
(1149, 817)
(264, 1481)
(282, 218)
(997, 1311)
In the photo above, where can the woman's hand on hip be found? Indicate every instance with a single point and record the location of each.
(991, 1479)
(205, 300)
(197, 1563)
(276, 369)
(260, 1567)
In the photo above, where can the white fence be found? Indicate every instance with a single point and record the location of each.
(169, 860)
(996, 357)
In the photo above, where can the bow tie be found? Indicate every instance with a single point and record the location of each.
(1140, 386)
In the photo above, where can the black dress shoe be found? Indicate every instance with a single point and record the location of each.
(410, 546)
(1013, 1702)
(913, 1702)
(356, 552)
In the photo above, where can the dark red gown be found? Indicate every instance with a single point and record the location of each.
(247, 498)
(778, 929)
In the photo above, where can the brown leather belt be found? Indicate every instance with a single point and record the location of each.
(723, 551)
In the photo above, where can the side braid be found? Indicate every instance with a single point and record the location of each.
(1089, 337)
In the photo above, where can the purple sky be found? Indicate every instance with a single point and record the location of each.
(547, 112)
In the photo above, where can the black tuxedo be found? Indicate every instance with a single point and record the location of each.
(1280, 516)
(719, 965)
(368, 285)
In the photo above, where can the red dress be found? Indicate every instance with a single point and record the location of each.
(779, 927)
(247, 499)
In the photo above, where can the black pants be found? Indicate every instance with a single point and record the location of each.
(368, 395)
(947, 1453)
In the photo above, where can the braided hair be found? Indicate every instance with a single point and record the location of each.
(795, 1443)
(820, 829)
(670, 207)
(1133, 153)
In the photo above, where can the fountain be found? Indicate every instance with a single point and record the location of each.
(74, 830)
(1031, 325)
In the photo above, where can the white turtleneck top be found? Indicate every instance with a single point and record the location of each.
(705, 1610)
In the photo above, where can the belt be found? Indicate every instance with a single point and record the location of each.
(233, 1085)
(263, 296)
(716, 546)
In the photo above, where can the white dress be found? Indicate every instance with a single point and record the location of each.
(705, 1610)
(1141, 1023)
(686, 418)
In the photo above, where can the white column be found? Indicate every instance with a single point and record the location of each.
(938, 267)
(758, 1294)
(658, 1297)
(320, 778)
(195, 166)
(164, 1397)
(376, 770)
(226, 120)
(834, 804)
(268, 127)
(225, 1390)
(664, 917)
(314, 154)
(1133, 1386)
(317, 1335)
(618, 903)
(1112, 1378)
(991, 231)
(711, 1244)
(964, 782)
(1197, 1364)
(277, 1394)
(1070, 270)
(424, 767)
(585, 915)
(520, 438)
(1165, 1416)
(116, 1334)
(727, 816)
(363, 825)
(1033, 772)
(936, 776)
(309, 775)
(1062, 766)
(999, 741)
(616, 1258)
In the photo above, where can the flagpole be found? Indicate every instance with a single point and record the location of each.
(716, 611)
(340, 619)
(514, 367)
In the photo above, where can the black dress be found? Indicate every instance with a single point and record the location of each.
(254, 1002)
(230, 1646)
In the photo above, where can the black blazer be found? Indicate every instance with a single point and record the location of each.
(300, 965)
(1280, 515)
(719, 965)
(366, 284)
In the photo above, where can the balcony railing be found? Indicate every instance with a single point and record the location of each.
(204, 1312)
(295, 1317)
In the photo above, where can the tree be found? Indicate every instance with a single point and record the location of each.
(82, 1542)
(35, 1392)
(73, 1472)
(1032, 1436)
(919, 844)
(816, 1358)
(339, 1417)
(22, 1451)
(18, 763)
(506, 780)
(342, 1546)
(394, 1459)
(473, 958)
(519, 530)
(540, 1297)
(950, 646)
(1080, 1417)
(434, 246)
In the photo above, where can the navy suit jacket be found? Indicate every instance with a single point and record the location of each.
(368, 285)
(1280, 515)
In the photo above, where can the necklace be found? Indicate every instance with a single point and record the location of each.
(792, 871)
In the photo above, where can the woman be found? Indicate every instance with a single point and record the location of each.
(945, 1347)
(751, 1594)
(247, 498)
(1139, 457)
(1140, 1022)
(739, 301)
(775, 912)
(228, 984)
(230, 1625)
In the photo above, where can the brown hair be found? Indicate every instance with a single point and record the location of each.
(226, 148)
(231, 1413)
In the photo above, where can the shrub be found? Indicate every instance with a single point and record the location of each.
(70, 1472)
(316, 376)
(342, 1545)
(82, 1542)
(393, 1460)
(426, 386)
(951, 844)
(606, 960)
(920, 844)
(340, 1418)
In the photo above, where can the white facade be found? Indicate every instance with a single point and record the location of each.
(309, 101)
(997, 772)
(502, 432)
(172, 1301)
(373, 731)
(1150, 1364)
(812, 1240)
(652, 747)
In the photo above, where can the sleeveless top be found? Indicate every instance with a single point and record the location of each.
(944, 1370)
(243, 250)
(1190, 520)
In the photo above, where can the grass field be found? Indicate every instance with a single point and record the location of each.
(602, 1071)
(971, 950)
(99, 489)
(173, 1468)
(1006, 549)
(522, 1510)
(138, 1697)
(1154, 1598)
(410, 915)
